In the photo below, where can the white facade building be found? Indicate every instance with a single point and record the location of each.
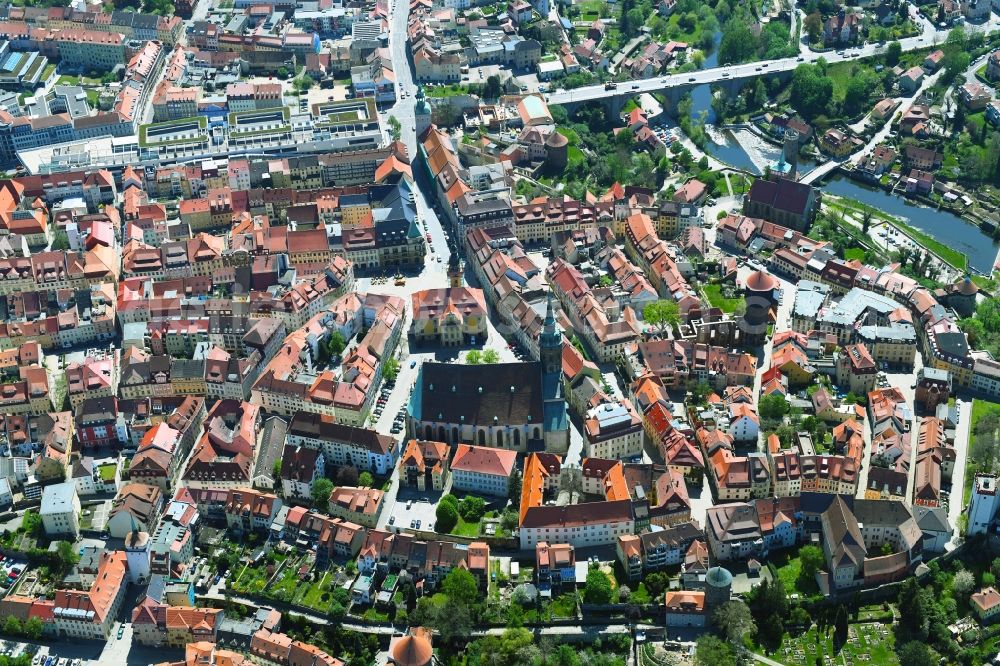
(60, 510)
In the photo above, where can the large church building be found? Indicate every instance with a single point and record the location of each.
(517, 406)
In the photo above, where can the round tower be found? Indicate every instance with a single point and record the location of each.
(760, 293)
(791, 152)
(718, 587)
(137, 556)
(557, 150)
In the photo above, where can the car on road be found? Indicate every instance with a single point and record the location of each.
(691, 78)
(409, 503)
(121, 631)
(392, 520)
(413, 364)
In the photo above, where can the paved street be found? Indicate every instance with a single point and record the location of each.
(962, 433)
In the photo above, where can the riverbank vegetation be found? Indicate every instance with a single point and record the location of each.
(740, 44)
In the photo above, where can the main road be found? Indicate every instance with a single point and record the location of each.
(403, 111)
(926, 39)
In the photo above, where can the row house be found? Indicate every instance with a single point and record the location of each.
(249, 511)
(427, 561)
(332, 539)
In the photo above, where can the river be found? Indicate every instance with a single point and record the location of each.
(979, 248)
(748, 151)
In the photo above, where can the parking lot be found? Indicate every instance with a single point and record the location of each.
(412, 506)
(10, 571)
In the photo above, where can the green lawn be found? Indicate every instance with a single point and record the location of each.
(466, 529)
(713, 292)
(71, 80)
(286, 583)
(107, 472)
(564, 605)
(591, 9)
(641, 595)
(570, 134)
(313, 596)
(447, 91)
(853, 253)
(789, 568)
(979, 409)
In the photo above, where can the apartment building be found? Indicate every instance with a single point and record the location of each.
(344, 444)
(356, 505)
(613, 431)
(482, 470)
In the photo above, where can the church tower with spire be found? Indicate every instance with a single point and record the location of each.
(550, 348)
(550, 343)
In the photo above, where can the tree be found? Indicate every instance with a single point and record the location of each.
(60, 241)
(734, 621)
(320, 493)
(710, 651)
(840, 625)
(474, 357)
(491, 356)
(410, 594)
(31, 523)
(856, 94)
(773, 407)
(916, 653)
(656, 583)
(662, 314)
(276, 473)
(66, 557)
(514, 488)
(472, 508)
(348, 476)
(493, 88)
(335, 344)
(813, 26)
(447, 517)
(12, 626)
(963, 582)
(737, 44)
(33, 628)
(811, 560)
(892, 53)
(597, 589)
(461, 587)
(866, 220)
(913, 613)
(624, 593)
(366, 479)
(304, 83)
(700, 391)
(390, 369)
(811, 90)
